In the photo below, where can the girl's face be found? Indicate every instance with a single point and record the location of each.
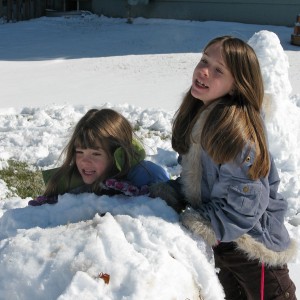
(211, 78)
(92, 163)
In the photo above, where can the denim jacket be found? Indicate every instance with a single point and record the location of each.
(227, 206)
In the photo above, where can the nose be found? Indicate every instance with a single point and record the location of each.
(204, 72)
(86, 159)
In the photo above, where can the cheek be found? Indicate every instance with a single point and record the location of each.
(104, 165)
(230, 88)
(77, 161)
(195, 72)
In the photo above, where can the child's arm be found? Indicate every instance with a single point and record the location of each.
(235, 205)
(75, 184)
(170, 191)
(63, 185)
(147, 173)
(40, 200)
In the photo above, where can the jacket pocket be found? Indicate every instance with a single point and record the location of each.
(244, 197)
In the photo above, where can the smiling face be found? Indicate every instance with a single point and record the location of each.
(92, 163)
(211, 79)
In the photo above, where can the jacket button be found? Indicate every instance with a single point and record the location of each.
(246, 189)
(287, 295)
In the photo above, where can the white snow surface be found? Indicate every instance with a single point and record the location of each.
(52, 71)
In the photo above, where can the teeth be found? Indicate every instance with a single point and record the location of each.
(88, 172)
(201, 83)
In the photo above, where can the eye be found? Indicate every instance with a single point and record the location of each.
(203, 61)
(219, 71)
(97, 153)
(78, 151)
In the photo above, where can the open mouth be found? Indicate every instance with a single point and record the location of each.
(201, 84)
(87, 172)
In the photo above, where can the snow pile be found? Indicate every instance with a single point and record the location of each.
(60, 250)
(282, 114)
(65, 251)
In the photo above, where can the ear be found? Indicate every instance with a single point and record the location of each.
(119, 155)
(231, 92)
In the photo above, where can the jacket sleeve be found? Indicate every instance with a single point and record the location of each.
(171, 192)
(236, 202)
(63, 185)
(147, 173)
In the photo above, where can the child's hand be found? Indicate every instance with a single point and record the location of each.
(192, 220)
(126, 188)
(166, 192)
(40, 200)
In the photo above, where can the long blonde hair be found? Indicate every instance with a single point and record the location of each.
(106, 128)
(236, 119)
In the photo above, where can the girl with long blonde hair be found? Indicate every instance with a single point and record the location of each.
(227, 192)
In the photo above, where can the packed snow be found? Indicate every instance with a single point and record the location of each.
(88, 247)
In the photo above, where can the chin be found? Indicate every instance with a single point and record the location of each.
(86, 181)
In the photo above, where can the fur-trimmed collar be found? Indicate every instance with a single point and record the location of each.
(191, 161)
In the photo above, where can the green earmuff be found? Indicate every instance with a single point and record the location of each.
(119, 155)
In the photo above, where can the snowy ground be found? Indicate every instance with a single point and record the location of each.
(52, 71)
